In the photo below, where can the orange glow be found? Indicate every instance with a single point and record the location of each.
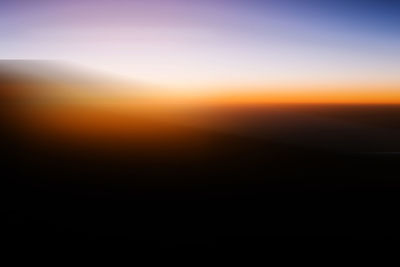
(315, 94)
(116, 115)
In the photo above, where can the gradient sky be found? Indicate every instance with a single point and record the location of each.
(201, 44)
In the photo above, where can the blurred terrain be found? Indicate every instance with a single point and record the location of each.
(82, 161)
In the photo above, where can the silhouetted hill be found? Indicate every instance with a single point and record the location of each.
(231, 176)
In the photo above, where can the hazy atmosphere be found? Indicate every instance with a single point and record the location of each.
(203, 46)
(219, 123)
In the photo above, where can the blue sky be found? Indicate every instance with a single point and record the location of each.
(207, 43)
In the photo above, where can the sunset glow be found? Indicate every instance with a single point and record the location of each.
(252, 49)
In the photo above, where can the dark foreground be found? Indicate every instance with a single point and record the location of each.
(310, 172)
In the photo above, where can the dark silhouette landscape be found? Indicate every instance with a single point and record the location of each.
(214, 175)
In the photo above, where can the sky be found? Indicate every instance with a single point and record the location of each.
(212, 43)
